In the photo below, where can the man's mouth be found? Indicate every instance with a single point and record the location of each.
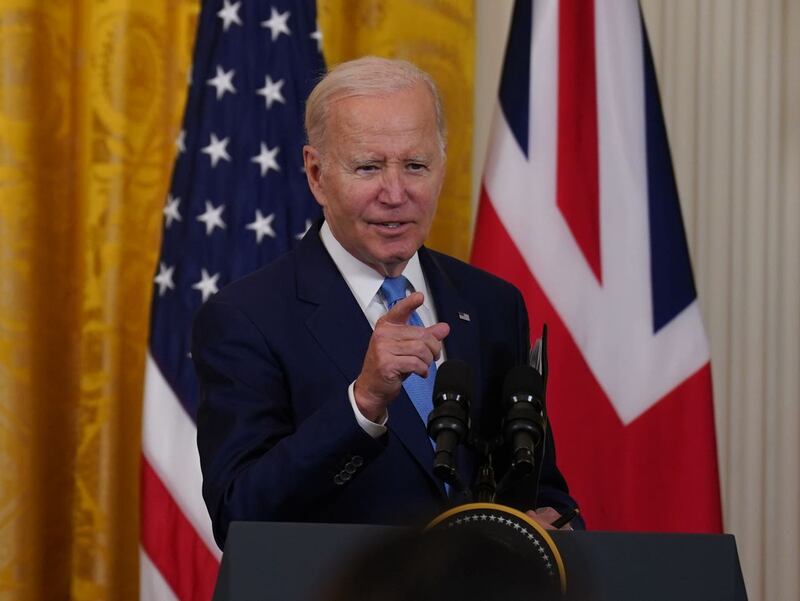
(390, 225)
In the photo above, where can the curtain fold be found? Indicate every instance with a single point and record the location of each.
(91, 95)
(731, 85)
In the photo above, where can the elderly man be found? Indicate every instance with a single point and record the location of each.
(316, 371)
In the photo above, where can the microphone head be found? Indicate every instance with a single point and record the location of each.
(453, 378)
(523, 380)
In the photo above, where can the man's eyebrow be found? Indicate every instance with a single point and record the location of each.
(376, 158)
(366, 158)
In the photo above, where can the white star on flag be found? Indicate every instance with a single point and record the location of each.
(300, 236)
(272, 91)
(164, 279)
(223, 82)
(212, 217)
(180, 142)
(171, 212)
(217, 149)
(262, 226)
(229, 14)
(277, 23)
(207, 284)
(266, 159)
(317, 35)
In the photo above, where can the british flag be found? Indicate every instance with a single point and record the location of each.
(238, 199)
(579, 208)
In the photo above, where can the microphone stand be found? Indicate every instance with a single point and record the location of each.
(485, 488)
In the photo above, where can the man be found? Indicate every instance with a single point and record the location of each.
(311, 371)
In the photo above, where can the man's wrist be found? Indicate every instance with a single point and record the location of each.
(375, 428)
(369, 409)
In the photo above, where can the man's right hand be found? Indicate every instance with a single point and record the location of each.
(396, 350)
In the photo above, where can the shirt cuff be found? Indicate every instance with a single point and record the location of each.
(375, 430)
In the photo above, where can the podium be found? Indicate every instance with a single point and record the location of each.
(266, 561)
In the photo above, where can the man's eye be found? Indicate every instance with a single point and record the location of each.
(366, 168)
(416, 166)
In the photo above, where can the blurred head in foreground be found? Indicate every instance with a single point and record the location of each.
(440, 565)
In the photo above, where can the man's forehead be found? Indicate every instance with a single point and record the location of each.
(366, 144)
(346, 104)
(369, 116)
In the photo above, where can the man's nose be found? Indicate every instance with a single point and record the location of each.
(394, 186)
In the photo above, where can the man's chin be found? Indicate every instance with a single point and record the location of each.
(392, 265)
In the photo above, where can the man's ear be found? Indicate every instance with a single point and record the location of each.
(312, 162)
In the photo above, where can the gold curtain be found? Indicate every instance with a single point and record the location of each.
(91, 95)
(439, 36)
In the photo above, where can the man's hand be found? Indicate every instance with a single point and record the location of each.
(396, 350)
(545, 516)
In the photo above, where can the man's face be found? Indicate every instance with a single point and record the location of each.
(379, 174)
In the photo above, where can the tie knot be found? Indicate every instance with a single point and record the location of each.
(394, 289)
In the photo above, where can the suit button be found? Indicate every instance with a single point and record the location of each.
(337, 479)
(357, 460)
(350, 468)
(345, 476)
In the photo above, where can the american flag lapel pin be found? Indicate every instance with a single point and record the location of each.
(463, 316)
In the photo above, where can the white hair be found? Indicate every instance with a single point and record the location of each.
(366, 76)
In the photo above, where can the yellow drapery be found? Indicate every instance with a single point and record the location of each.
(91, 95)
(439, 36)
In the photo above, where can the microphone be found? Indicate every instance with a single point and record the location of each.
(449, 422)
(525, 420)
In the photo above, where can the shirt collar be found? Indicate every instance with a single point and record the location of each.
(363, 281)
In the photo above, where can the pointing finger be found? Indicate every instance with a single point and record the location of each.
(401, 312)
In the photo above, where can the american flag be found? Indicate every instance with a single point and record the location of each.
(237, 200)
(579, 209)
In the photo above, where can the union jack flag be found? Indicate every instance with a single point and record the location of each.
(579, 208)
(238, 199)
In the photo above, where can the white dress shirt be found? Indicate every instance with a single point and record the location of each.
(365, 283)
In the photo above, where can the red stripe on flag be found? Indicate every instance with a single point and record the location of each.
(658, 473)
(172, 543)
(577, 172)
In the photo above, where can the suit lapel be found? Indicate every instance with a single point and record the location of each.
(338, 324)
(463, 342)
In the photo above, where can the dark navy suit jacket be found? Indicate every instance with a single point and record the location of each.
(275, 353)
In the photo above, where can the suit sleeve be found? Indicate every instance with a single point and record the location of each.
(258, 463)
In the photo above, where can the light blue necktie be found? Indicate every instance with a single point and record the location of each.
(419, 390)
